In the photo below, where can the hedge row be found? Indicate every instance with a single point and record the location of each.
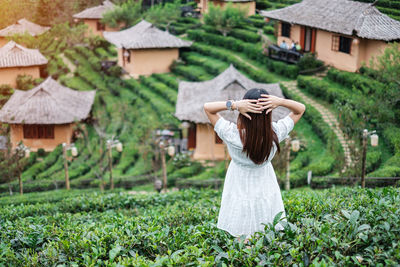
(348, 79)
(160, 88)
(167, 79)
(192, 73)
(48, 184)
(211, 65)
(335, 157)
(251, 50)
(257, 75)
(335, 227)
(353, 119)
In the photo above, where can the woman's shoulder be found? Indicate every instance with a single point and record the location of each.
(227, 131)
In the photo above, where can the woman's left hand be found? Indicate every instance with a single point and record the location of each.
(269, 102)
(248, 105)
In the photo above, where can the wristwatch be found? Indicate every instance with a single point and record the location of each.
(229, 105)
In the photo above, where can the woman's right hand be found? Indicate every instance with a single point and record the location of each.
(269, 102)
(247, 105)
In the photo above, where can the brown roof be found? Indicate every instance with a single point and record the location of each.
(95, 12)
(230, 84)
(48, 103)
(341, 16)
(23, 26)
(15, 55)
(144, 35)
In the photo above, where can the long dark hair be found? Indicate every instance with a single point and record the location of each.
(257, 135)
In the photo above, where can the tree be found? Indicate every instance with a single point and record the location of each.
(386, 68)
(164, 14)
(128, 13)
(224, 19)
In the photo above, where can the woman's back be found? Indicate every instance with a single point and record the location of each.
(229, 133)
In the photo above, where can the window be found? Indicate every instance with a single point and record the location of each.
(101, 26)
(38, 131)
(217, 139)
(285, 29)
(341, 43)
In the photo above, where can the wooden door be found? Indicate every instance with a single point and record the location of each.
(307, 39)
(192, 136)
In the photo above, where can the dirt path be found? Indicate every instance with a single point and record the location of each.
(328, 117)
(69, 64)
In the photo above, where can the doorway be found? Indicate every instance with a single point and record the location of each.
(307, 39)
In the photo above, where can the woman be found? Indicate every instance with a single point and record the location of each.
(251, 195)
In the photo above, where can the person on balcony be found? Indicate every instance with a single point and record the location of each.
(284, 45)
(298, 47)
(293, 46)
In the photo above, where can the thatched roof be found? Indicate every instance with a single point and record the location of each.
(15, 55)
(340, 16)
(48, 103)
(95, 12)
(230, 84)
(144, 35)
(23, 26)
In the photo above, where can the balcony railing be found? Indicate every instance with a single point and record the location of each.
(289, 56)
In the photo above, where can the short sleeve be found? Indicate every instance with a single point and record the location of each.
(283, 127)
(224, 129)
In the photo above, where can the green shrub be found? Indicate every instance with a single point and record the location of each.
(263, 4)
(309, 61)
(364, 84)
(25, 82)
(122, 229)
(245, 35)
(268, 29)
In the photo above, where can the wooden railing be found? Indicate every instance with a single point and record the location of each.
(289, 56)
(326, 182)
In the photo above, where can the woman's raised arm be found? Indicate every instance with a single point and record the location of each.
(243, 106)
(270, 102)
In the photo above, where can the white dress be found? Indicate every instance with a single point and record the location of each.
(251, 196)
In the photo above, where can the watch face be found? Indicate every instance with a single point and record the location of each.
(229, 104)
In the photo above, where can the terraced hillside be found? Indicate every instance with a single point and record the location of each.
(124, 108)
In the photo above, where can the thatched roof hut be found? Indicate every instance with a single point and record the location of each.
(230, 84)
(340, 16)
(96, 12)
(144, 35)
(15, 55)
(23, 26)
(47, 103)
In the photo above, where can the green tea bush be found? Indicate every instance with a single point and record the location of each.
(309, 61)
(269, 29)
(341, 227)
(245, 35)
(263, 4)
(350, 80)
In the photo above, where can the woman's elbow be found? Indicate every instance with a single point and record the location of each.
(205, 107)
(303, 109)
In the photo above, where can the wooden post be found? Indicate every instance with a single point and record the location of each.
(66, 167)
(364, 157)
(164, 166)
(109, 153)
(287, 181)
(21, 191)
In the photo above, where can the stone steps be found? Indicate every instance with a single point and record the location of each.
(329, 118)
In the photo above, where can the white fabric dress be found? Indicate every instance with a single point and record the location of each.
(251, 194)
